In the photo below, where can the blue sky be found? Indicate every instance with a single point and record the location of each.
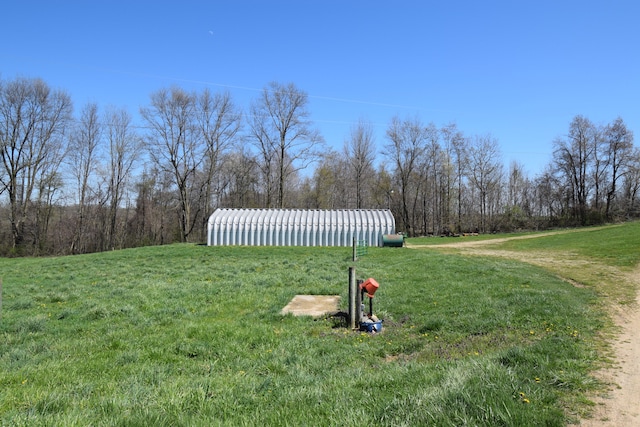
(517, 70)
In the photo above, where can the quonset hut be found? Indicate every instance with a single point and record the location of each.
(297, 227)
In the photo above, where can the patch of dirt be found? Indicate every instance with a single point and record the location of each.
(618, 406)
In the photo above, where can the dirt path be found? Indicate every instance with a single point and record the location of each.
(619, 405)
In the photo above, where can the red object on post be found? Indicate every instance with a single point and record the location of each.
(370, 286)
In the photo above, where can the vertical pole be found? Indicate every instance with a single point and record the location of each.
(355, 250)
(353, 290)
(358, 303)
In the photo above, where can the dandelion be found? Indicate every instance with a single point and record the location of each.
(525, 400)
(532, 332)
(537, 379)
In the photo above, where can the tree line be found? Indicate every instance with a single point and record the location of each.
(93, 180)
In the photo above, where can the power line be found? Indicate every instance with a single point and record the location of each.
(210, 83)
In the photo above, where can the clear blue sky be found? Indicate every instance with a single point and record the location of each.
(518, 70)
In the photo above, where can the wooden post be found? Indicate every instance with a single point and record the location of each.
(353, 290)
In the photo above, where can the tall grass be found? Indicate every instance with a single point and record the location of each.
(187, 335)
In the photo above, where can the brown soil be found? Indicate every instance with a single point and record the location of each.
(618, 405)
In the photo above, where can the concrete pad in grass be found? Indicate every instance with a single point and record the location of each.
(312, 305)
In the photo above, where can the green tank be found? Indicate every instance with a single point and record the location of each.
(393, 240)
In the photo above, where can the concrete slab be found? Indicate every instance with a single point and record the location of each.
(312, 305)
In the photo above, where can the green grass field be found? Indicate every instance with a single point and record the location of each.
(188, 335)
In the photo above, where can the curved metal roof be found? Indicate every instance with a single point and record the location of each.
(298, 227)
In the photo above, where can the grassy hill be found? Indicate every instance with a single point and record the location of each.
(193, 335)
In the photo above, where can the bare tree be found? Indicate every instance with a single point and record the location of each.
(219, 122)
(359, 149)
(631, 183)
(321, 193)
(485, 173)
(240, 185)
(49, 194)
(456, 149)
(407, 145)
(573, 158)
(282, 134)
(32, 123)
(619, 149)
(517, 186)
(549, 200)
(83, 161)
(175, 147)
(431, 172)
(328, 186)
(384, 195)
(124, 151)
(599, 169)
(520, 196)
(267, 149)
(155, 204)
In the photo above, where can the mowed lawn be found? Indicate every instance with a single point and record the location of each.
(189, 335)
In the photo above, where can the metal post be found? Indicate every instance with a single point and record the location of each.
(353, 290)
(358, 303)
(355, 250)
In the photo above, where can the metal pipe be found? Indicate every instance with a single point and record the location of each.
(359, 304)
(352, 297)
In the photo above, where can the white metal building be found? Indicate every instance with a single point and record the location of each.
(297, 227)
